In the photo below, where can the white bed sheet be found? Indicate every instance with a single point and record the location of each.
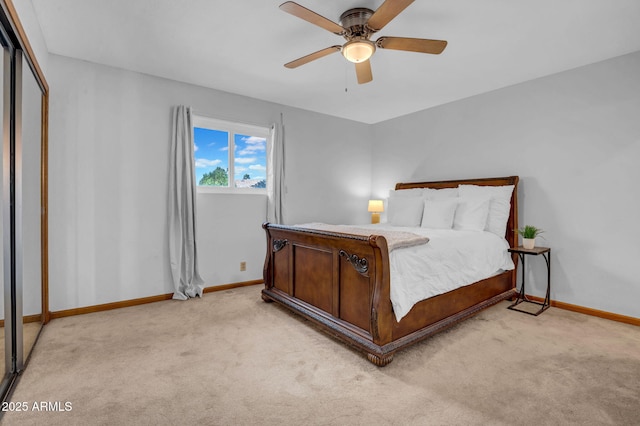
(451, 259)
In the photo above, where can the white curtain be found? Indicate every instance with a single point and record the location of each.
(275, 175)
(182, 209)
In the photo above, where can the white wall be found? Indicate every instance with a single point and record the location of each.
(109, 135)
(328, 169)
(574, 140)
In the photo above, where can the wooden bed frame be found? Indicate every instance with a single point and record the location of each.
(341, 282)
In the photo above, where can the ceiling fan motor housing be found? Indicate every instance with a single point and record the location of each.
(354, 21)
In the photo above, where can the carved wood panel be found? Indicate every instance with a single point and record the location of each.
(313, 271)
(355, 295)
(281, 275)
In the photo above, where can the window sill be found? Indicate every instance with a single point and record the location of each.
(230, 191)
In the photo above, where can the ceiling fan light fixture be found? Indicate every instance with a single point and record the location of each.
(358, 50)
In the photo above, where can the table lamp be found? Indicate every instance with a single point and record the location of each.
(375, 207)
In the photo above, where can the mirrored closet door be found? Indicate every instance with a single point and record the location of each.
(23, 216)
(31, 214)
(5, 273)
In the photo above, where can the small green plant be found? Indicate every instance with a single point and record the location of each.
(530, 231)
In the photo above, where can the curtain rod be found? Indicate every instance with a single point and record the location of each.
(233, 120)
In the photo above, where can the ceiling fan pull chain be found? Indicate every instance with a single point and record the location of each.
(346, 78)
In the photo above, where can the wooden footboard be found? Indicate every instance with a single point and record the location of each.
(342, 283)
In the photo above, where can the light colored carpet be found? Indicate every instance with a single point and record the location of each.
(231, 359)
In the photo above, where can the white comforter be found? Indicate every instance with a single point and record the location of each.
(451, 259)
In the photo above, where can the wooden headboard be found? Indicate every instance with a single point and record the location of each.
(512, 223)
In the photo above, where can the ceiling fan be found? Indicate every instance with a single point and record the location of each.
(356, 26)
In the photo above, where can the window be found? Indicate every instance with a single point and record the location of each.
(229, 157)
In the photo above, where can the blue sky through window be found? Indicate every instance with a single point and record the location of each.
(250, 157)
(212, 151)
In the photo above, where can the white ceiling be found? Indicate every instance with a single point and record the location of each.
(240, 47)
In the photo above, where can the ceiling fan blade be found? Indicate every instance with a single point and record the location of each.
(420, 45)
(363, 72)
(310, 16)
(312, 56)
(386, 12)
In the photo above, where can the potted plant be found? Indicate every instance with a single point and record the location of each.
(529, 234)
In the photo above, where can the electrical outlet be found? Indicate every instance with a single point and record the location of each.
(243, 266)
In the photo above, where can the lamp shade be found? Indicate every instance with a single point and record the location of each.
(358, 50)
(376, 206)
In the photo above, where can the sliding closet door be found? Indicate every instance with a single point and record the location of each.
(5, 223)
(23, 216)
(31, 214)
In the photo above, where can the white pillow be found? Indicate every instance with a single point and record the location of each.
(412, 192)
(438, 214)
(471, 214)
(405, 211)
(439, 194)
(498, 208)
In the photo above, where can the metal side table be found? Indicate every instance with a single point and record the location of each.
(522, 296)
